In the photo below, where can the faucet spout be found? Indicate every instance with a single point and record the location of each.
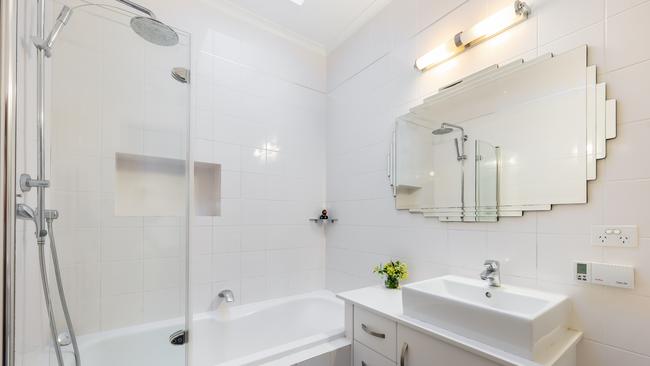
(227, 296)
(492, 273)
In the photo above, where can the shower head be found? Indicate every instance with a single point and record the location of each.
(147, 27)
(154, 31)
(25, 212)
(442, 131)
(446, 128)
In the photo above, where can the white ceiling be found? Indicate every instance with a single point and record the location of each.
(325, 23)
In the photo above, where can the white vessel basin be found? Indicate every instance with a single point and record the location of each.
(521, 321)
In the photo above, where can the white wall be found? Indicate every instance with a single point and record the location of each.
(259, 110)
(371, 81)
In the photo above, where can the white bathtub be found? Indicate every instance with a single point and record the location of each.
(252, 334)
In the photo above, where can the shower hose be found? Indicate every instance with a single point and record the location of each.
(48, 298)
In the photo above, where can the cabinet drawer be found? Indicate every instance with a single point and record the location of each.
(375, 332)
(420, 349)
(364, 356)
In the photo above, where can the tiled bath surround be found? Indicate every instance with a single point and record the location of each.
(371, 81)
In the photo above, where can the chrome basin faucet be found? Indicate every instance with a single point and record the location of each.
(492, 273)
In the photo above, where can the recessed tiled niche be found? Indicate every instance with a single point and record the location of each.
(155, 186)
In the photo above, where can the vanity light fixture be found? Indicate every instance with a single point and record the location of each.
(298, 2)
(485, 29)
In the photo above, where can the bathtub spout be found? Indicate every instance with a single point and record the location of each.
(227, 296)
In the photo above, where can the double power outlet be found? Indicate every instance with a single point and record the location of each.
(620, 236)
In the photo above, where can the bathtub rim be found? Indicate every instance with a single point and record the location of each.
(230, 313)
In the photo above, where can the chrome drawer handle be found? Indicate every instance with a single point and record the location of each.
(402, 356)
(371, 332)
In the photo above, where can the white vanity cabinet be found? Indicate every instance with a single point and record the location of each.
(382, 335)
(418, 349)
(379, 341)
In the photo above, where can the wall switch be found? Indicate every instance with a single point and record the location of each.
(612, 275)
(620, 236)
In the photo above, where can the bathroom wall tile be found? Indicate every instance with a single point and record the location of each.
(592, 353)
(200, 269)
(121, 278)
(555, 254)
(625, 154)
(593, 36)
(628, 86)
(122, 310)
(517, 252)
(616, 6)
(467, 249)
(162, 305)
(623, 331)
(254, 289)
(162, 274)
(628, 201)
(121, 244)
(230, 184)
(201, 297)
(254, 238)
(161, 242)
(226, 266)
(253, 264)
(625, 37)
(575, 219)
(253, 186)
(201, 240)
(228, 155)
(636, 257)
(226, 239)
(429, 12)
(559, 18)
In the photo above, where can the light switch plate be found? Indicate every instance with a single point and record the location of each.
(620, 236)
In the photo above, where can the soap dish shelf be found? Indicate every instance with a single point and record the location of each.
(323, 221)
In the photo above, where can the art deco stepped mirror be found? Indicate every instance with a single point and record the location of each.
(512, 138)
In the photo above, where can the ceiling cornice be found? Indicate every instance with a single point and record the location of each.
(250, 17)
(368, 13)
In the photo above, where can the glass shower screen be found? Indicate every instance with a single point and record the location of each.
(116, 124)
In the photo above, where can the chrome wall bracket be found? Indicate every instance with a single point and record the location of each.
(27, 183)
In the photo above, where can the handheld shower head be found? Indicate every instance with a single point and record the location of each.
(25, 212)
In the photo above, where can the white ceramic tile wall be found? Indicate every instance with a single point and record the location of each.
(371, 81)
(259, 110)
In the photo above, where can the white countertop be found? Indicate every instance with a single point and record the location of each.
(388, 303)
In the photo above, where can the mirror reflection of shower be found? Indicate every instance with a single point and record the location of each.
(446, 128)
(153, 31)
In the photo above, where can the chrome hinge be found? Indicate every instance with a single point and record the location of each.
(178, 338)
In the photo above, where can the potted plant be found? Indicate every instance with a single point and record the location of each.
(393, 272)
